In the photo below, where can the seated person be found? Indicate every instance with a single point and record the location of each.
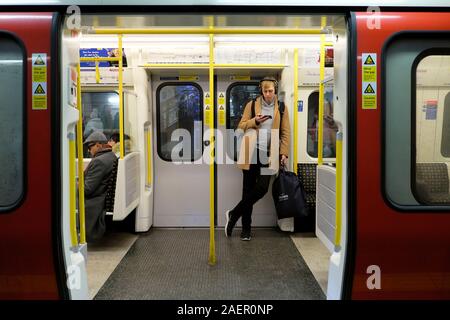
(94, 124)
(96, 178)
(115, 145)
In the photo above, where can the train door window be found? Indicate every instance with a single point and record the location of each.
(432, 126)
(100, 113)
(12, 130)
(416, 121)
(179, 121)
(330, 128)
(238, 94)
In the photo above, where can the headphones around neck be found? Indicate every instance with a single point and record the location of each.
(275, 84)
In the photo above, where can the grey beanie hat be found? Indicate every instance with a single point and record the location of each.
(96, 136)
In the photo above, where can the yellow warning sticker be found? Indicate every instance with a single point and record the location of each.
(369, 80)
(369, 89)
(221, 115)
(188, 78)
(39, 74)
(369, 95)
(207, 115)
(39, 89)
(221, 98)
(369, 67)
(39, 59)
(369, 60)
(207, 98)
(39, 81)
(240, 78)
(39, 101)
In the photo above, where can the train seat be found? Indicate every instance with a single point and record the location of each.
(125, 197)
(432, 182)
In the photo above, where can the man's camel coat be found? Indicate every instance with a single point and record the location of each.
(279, 141)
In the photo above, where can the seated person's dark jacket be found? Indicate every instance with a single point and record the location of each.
(96, 177)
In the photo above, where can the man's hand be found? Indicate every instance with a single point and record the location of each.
(284, 160)
(260, 118)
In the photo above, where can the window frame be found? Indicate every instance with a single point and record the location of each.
(21, 198)
(158, 117)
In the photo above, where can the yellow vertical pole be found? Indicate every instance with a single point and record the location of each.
(337, 236)
(295, 160)
(121, 115)
(72, 190)
(81, 207)
(97, 72)
(212, 246)
(321, 93)
(149, 158)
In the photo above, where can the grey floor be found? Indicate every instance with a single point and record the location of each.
(172, 264)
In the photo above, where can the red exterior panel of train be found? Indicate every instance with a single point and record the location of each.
(411, 249)
(27, 269)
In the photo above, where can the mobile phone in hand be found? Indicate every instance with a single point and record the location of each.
(267, 116)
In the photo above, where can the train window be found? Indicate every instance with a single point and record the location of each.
(330, 128)
(12, 130)
(100, 113)
(179, 121)
(432, 112)
(238, 95)
(415, 122)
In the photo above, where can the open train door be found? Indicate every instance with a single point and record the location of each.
(30, 257)
(400, 214)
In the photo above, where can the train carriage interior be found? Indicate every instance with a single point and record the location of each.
(179, 81)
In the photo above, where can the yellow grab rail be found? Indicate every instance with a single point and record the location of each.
(337, 236)
(208, 31)
(215, 65)
(73, 192)
(122, 143)
(295, 113)
(149, 158)
(81, 207)
(321, 93)
(212, 246)
(97, 73)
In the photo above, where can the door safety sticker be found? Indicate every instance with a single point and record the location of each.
(369, 80)
(39, 79)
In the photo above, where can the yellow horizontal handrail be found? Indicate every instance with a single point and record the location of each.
(208, 31)
(216, 66)
(175, 65)
(250, 65)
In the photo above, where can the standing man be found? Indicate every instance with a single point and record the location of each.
(96, 179)
(264, 145)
